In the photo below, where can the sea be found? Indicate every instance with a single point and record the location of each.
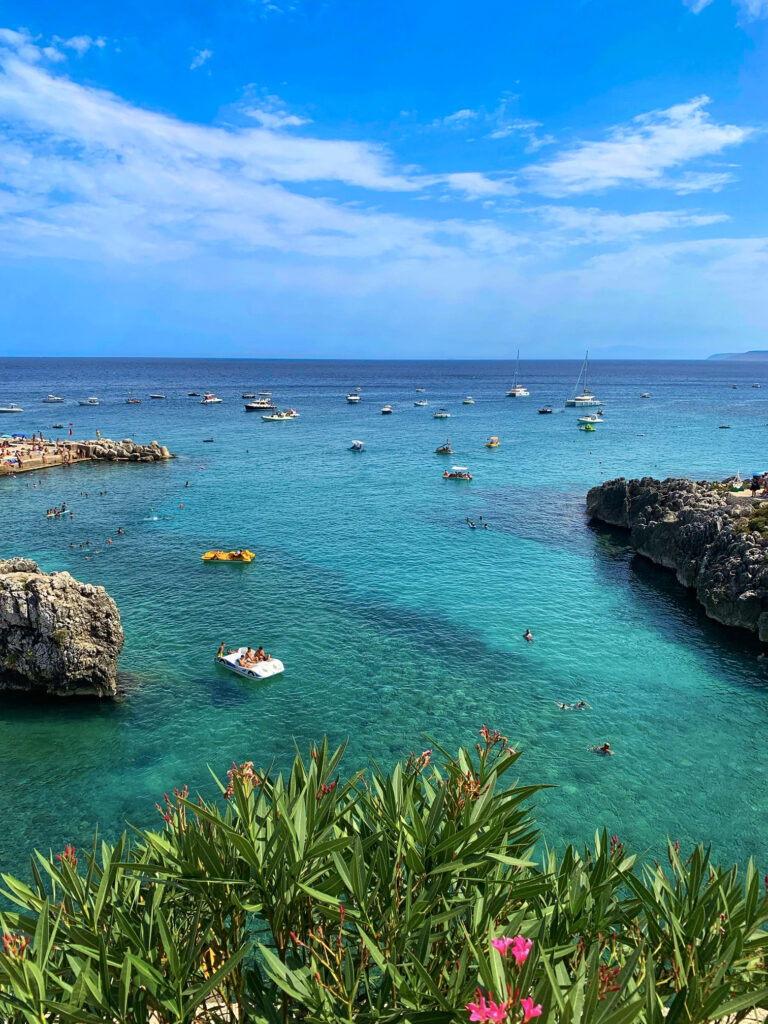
(399, 626)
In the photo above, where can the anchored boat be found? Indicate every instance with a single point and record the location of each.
(586, 398)
(492, 442)
(241, 555)
(445, 449)
(235, 661)
(457, 473)
(441, 414)
(517, 390)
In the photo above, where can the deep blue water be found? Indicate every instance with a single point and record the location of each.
(392, 617)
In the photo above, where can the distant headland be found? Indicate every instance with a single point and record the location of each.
(756, 355)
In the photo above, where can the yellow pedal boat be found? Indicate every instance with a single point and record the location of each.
(228, 556)
(492, 442)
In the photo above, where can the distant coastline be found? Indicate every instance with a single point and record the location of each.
(754, 356)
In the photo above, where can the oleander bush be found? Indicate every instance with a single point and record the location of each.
(416, 895)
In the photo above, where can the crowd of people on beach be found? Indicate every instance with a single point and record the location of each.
(17, 452)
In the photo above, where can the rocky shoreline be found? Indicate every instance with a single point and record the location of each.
(714, 539)
(58, 637)
(23, 455)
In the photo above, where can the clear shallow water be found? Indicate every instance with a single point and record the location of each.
(393, 618)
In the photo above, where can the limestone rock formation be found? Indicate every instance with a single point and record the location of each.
(715, 543)
(58, 636)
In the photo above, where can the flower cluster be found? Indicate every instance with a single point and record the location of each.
(15, 946)
(416, 763)
(487, 1009)
(67, 856)
(245, 774)
(174, 809)
(617, 849)
(326, 789)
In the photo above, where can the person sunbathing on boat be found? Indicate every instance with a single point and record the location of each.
(260, 655)
(245, 659)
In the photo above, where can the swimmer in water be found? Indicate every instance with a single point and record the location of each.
(563, 707)
(528, 635)
(605, 749)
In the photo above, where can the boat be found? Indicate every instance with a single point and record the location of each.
(261, 405)
(469, 400)
(157, 396)
(278, 417)
(445, 449)
(207, 440)
(735, 387)
(589, 419)
(133, 401)
(546, 410)
(756, 385)
(387, 410)
(11, 408)
(240, 555)
(358, 389)
(457, 473)
(579, 401)
(253, 670)
(421, 389)
(356, 446)
(248, 394)
(421, 403)
(57, 426)
(517, 390)
(193, 394)
(55, 398)
(492, 442)
(441, 414)
(353, 397)
(265, 394)
(90, 401)
(723, 426)
(589, 427)
(646, 394)
(292, 414)
(209, 399)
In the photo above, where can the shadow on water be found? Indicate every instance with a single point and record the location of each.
(673, 609)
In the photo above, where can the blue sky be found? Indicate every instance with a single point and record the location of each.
(296, 178)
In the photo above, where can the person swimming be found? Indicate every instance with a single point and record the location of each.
(605, 749)
(528, 635)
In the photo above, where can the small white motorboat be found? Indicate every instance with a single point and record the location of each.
(441, 414)
(353, 397)
(11, 408)
(457, 473)
(647, 394)
(209, 399)
(157, 396)
(259, 670)
(90, 401)
(756, 385)
(387, 410)
(356, 446)
(421, 403)
(292, 414)
(266, 394)
(590, 419)
(277, 417)
(421, 389)
(469, 400)
(261, 405)
(133, 401)
(55, 398)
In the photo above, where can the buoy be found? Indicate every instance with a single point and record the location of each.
(109, 541)
(181, 505)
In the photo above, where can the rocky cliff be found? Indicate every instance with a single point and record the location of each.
(57, 636)
(715, 541)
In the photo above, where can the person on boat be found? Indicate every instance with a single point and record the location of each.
(245, 659)
(605, 750)
(528, 635)
(221, 651)
(260, 655)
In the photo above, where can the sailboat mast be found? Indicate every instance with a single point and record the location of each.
(586, 371)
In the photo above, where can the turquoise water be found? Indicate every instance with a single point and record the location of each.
(392, 617)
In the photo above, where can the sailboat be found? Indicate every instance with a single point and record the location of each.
(517, 390)
(579, 401)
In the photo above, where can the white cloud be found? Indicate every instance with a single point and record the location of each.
(200, 58)
(642, 153)
(697, 5)
(750, 10)
(81, 44)
(457, 120)
(274, 119)
(586, 224)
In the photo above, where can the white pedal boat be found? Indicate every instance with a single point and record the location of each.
(261, 670)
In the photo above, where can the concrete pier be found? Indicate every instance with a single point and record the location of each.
(27, 455)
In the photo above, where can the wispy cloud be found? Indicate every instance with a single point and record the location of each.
(200, 58)
(456, 120)
(81, 44)
(646, 152)
(749, 10)
(502, 126)
(583, 225)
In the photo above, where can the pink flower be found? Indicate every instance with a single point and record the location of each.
(529, 1009)
(479, 1010)
(487, 1011)
(502, 944)
(521, 948)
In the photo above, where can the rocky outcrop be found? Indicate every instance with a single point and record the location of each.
(57, 636)
(122, 451)
(716, 542)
